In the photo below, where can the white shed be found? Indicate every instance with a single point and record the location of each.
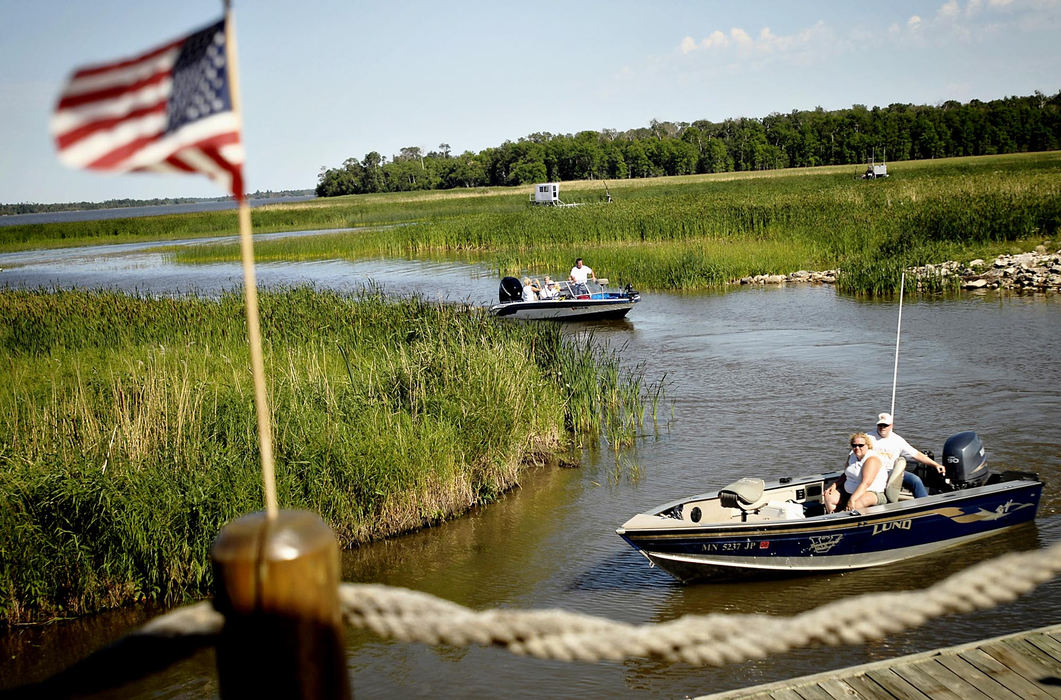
(546, 193)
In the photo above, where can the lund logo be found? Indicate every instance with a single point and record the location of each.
(896, 525)
(823, 543)
(999, 512)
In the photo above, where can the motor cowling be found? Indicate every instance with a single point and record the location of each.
(511, 289)
(965, 460)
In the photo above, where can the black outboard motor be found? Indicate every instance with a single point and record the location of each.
(965, 460)
(511, 289)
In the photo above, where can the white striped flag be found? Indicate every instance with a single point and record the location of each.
(167, 110)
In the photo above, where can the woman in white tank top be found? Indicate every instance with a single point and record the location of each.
(864, 479)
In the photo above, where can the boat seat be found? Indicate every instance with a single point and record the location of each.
(742, 492)
(895, 480)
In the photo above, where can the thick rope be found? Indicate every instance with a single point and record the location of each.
(694, 639)
(715, 640)
(197, 620)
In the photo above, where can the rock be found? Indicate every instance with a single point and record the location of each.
(1025, 271)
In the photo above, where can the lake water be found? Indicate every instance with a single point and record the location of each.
(764, 382)
(52, 217)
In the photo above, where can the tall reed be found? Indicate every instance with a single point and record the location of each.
(127, 431)
(687, 233)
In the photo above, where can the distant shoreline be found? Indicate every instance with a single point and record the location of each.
(125, 211)
(114, 204)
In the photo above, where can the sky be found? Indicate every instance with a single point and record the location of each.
(326, 80)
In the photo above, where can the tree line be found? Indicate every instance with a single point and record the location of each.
(801, 138)
(37, 208)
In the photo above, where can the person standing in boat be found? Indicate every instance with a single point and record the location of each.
(579, 275)
(530, 290)
(892, 447)
(863, 481)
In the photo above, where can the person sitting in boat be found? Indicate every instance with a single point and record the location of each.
(579, 275)
(892, 447)
(530, 289)
(863, 481)
(548, 290)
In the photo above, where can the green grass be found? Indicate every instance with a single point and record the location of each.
(706, 231)
(340, 212)
(689, 232)
(127, 431)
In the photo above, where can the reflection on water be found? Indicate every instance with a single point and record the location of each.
(764, 382)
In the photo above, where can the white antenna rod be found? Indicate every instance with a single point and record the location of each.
(898, 330)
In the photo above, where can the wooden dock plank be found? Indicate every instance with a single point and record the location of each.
(937, 682)
(837, 689)
(866, 687)
(1050, 664)
(1009, 654)
(895, 684)
(963, 669)
(1012, 667)
(1048, 644)
(811, 691)
(1003, 674)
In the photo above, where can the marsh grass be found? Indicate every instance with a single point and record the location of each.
(689, 232)
(127, 431)
(701, 232)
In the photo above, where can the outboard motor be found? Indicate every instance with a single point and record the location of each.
(511, 289)
(965, 460)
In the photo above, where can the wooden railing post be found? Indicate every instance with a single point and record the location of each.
(277, 584)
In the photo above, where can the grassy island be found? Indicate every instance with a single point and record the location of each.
(127, 430)
(675, 233)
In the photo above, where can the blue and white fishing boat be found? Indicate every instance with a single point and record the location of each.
(570, 304)
(758, 529)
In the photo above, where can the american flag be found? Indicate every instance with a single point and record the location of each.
(167, 110)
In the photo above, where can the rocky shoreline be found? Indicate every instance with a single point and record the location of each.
(1038, 271)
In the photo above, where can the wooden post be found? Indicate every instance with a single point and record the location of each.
(277, 584)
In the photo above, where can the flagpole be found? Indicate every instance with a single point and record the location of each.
(250, 287)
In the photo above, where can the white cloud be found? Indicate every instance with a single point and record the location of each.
(949, 9)
(765, 42)
(983, 20)
(740, 37)
(715, 38)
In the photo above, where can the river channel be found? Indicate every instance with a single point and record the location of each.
(760, 381)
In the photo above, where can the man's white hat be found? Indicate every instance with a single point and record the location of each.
(884, 419)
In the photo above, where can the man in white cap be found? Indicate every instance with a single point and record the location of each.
(891, 447)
